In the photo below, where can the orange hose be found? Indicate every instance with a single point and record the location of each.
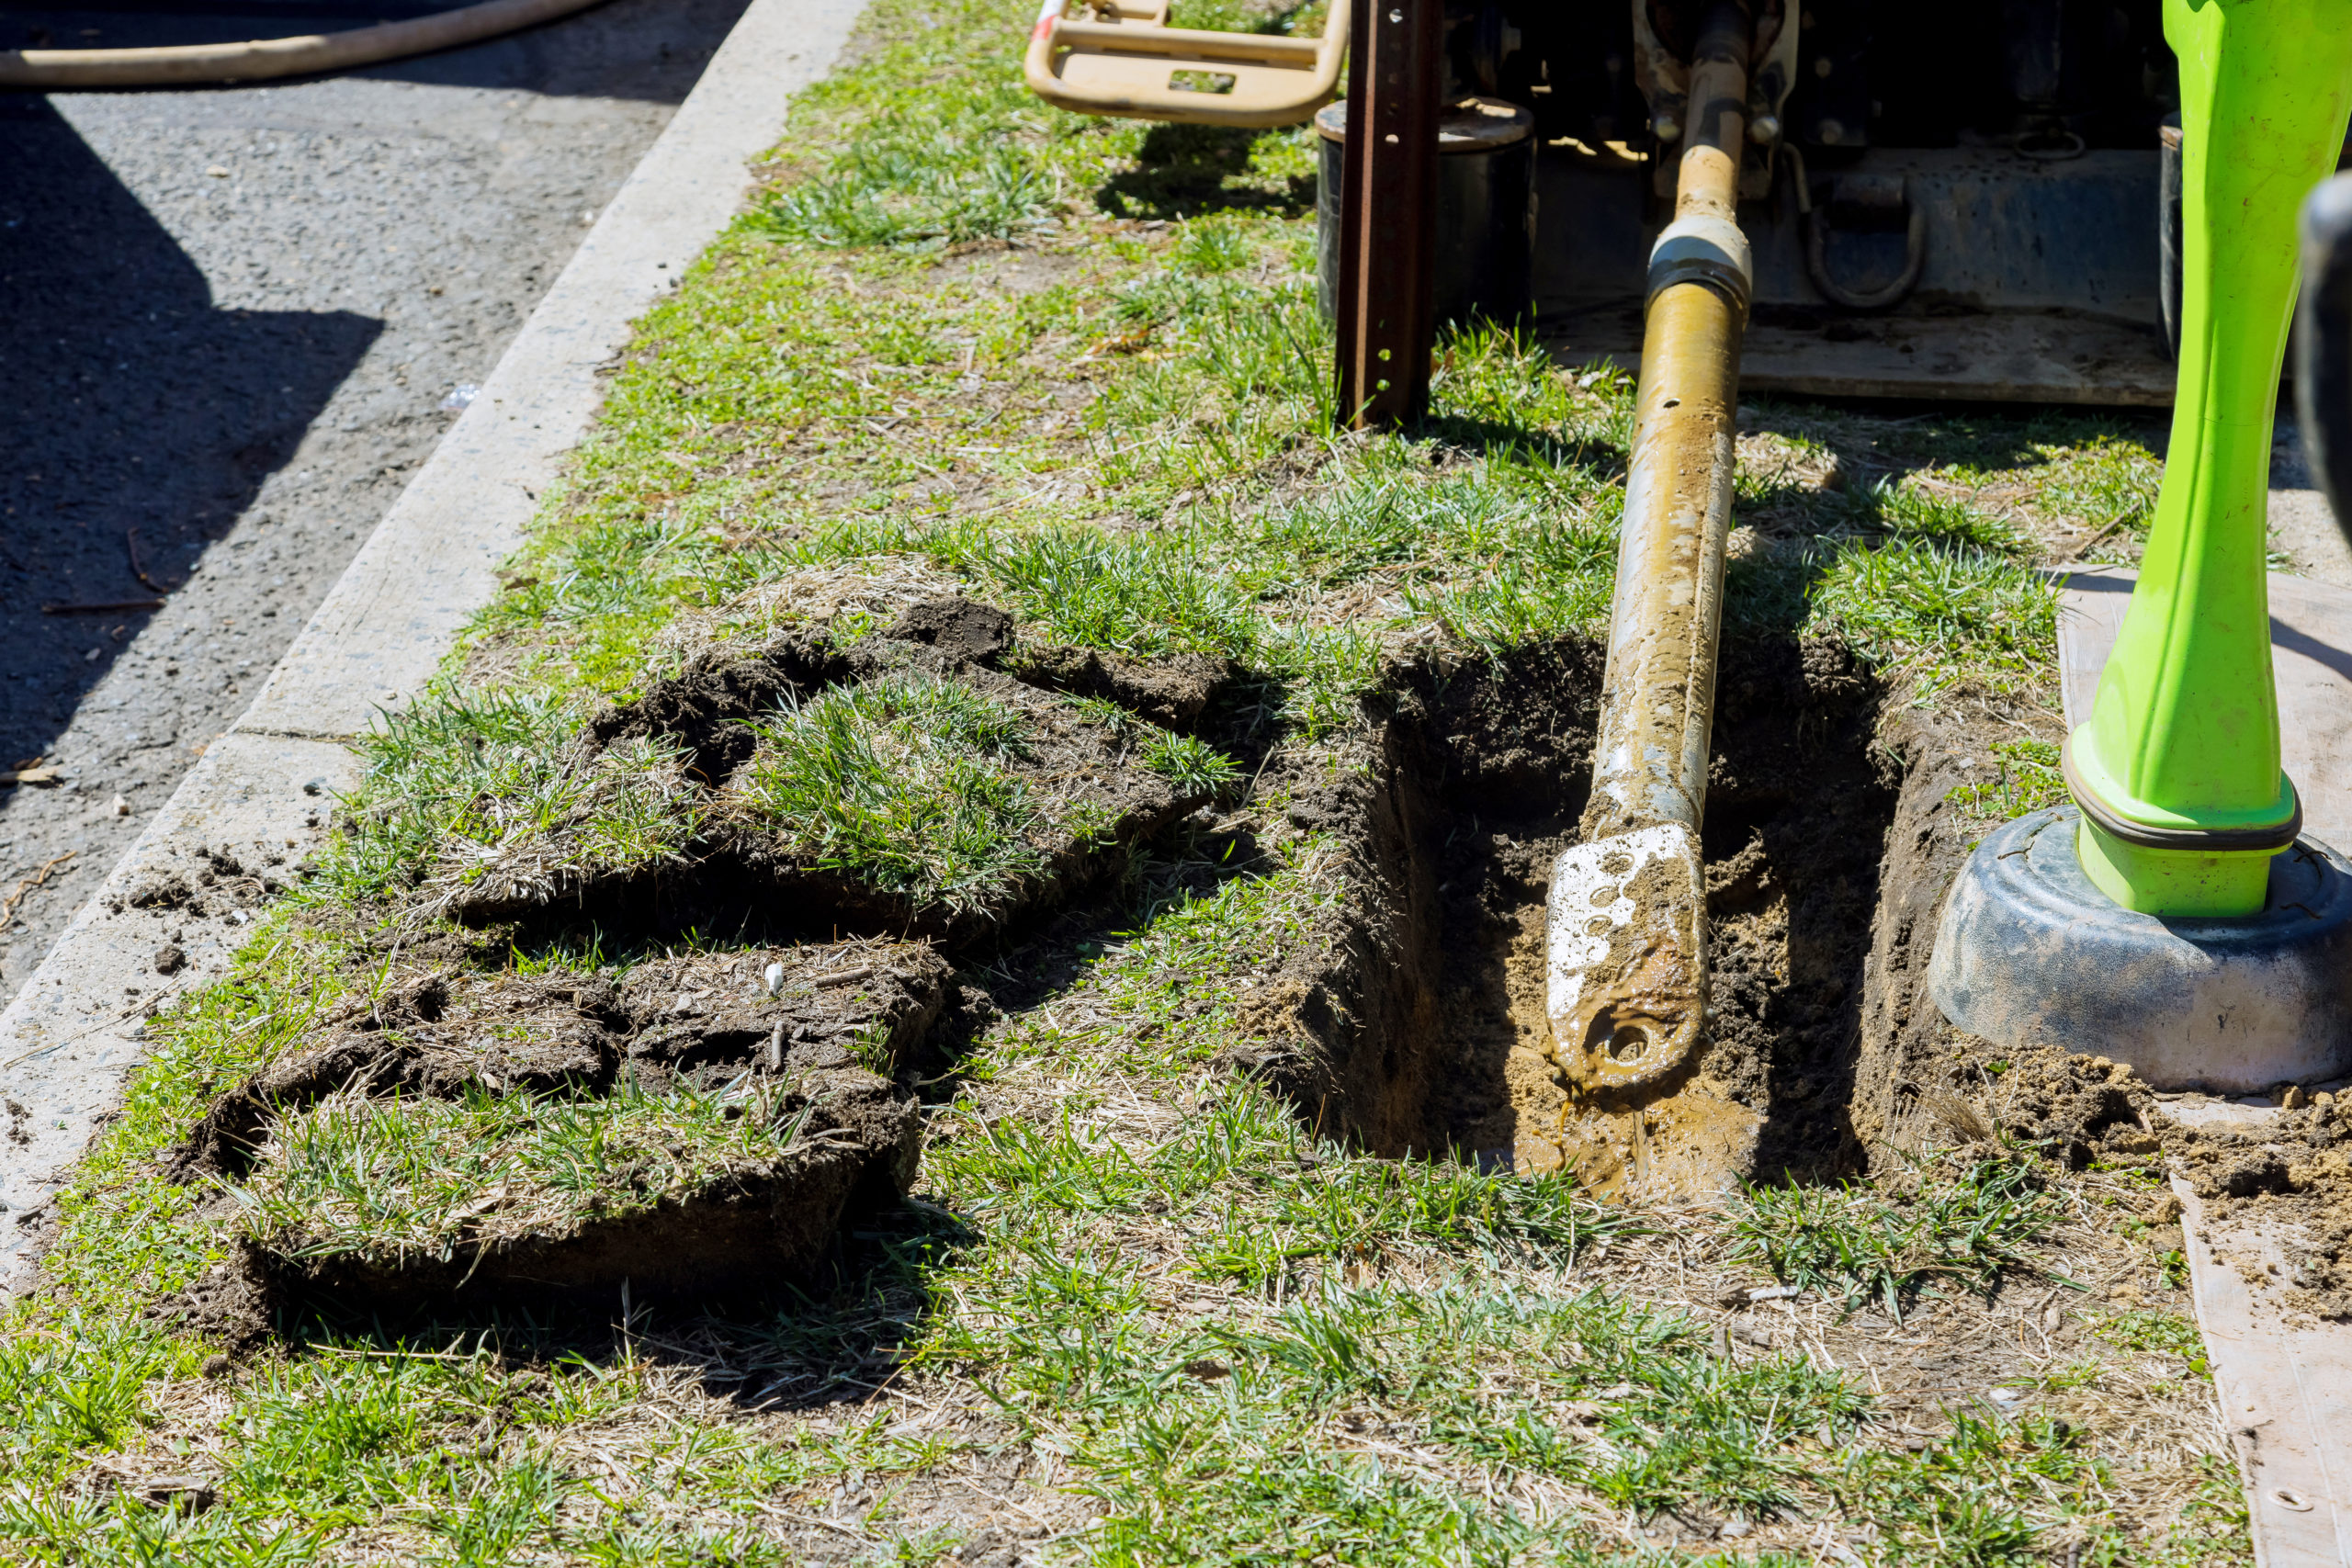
(255, 60)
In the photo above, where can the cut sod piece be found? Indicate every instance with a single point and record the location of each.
(683, 1192)
(910, 783)
(437, 1033)
(947, 800)
(742, 1110)
(501, 803)
(894, 784)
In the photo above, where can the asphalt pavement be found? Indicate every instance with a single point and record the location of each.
(237, 320)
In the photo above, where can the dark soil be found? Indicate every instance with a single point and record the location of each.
(1908, 1049)
(1920, 1081)
(1178, 692)
(1423, 1029)
(702, 1020)
(234, 1301)
(964, 630)
(744, 877)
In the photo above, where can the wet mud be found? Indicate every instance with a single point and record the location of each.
(1424, 1030)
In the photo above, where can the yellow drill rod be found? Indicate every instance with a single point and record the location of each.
(1628, 970)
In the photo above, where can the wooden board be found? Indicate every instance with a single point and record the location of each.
(2285, 1391)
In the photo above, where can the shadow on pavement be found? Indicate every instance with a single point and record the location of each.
(138, 410)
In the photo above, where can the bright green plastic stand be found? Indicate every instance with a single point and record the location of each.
(2183, 733)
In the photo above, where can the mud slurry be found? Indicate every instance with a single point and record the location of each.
(1426, 1031)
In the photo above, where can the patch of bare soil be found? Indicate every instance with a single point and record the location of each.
(1177, 691)
(1425, 1029)
(743, 874)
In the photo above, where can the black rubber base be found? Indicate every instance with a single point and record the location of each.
(2029, 949)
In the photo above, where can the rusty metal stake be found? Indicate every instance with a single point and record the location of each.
(1627, 961)
(1387, 212)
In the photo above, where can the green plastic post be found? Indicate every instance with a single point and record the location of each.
(2183, 733)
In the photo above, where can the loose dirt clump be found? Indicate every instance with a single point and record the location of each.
(1424, 1028)
(212, 876)
(701, 1020)
(2287, 1173)
(1176, 691)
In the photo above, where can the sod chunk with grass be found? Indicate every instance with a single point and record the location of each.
(406, 1203)
(840, 779)
(925, 794)
(906, 781)
(702, 1124)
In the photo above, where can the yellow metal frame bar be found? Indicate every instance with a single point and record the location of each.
(1126, 65)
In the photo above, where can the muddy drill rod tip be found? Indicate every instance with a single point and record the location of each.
(1625, 958)
(1626, 924)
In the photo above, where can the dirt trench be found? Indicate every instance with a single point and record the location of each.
(1420, 1026)
(1411, 1023)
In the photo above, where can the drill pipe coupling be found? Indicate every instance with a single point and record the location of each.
(1699, 248)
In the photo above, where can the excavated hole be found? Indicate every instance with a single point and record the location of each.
(1422, 1029)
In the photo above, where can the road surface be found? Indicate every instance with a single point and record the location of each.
(237, 320)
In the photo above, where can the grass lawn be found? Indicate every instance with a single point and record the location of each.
(1140, 1308)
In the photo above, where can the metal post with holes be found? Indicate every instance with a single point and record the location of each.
(1388, 239)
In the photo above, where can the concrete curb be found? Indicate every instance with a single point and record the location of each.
(70, 1039)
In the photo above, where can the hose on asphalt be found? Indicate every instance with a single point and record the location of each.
(254, 59)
